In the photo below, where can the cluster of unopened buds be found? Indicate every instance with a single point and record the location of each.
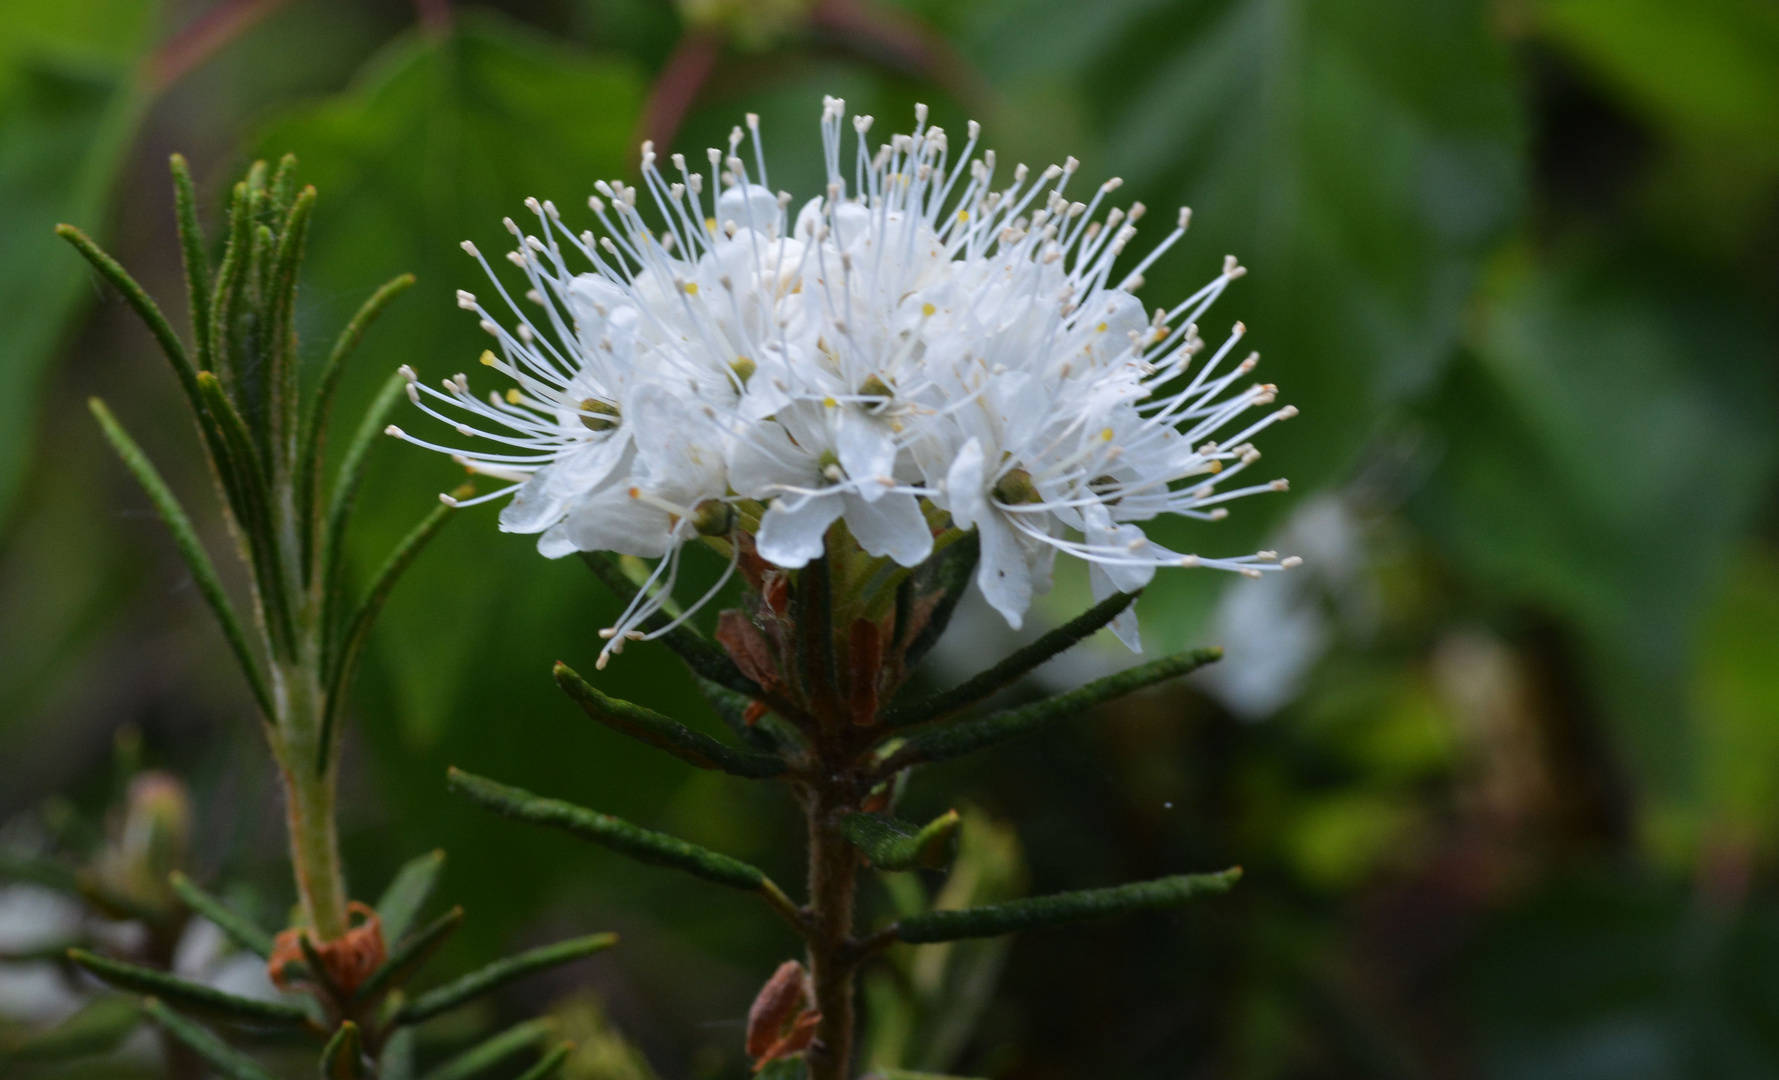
(912, 351)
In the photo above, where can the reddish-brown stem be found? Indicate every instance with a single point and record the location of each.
(670, 99)
(202, 38)
(833, 874)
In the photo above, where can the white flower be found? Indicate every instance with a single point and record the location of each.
(914, 337)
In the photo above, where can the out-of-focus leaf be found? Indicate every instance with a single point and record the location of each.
(96, 1029)
(1607, 445)
(1705, 68)
(1736, 698)
(69, 107)
(1360, 156)
(408, 893)
(1608, 979)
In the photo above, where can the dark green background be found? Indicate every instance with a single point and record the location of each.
(1515, 263)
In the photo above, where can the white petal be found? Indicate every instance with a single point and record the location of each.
(765, 459)
(1124, 625)
(1003, 575)
(866, 450)
(533, 508)
(893, 526)
(613, 521)
(964, 485)
(790, 538)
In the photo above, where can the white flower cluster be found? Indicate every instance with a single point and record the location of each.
(914, 334)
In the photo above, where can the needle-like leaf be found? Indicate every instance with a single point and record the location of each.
(340, 502)
(408, 892)
(228, 1062)
(352, 641)
(197, 265)
(893, 844)
(190, 996)
(145, 307)
(1016, 664)
(343, 1056)
(185, 538)
(648, 726)
(956, 740)
(493, 1050)
(996, 919)
(641, 844)
(498, 974)
(229, 921)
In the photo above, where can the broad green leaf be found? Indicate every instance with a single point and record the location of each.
(435, 143)
(1607, 446)
(69, 108)
(1704, 68)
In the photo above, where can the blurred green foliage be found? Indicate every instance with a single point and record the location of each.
(1514, 260)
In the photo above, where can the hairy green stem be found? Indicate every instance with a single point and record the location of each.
(309, 795)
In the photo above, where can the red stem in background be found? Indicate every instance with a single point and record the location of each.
(899, 40)
(435, 17)
(202, 38)
(685, 74)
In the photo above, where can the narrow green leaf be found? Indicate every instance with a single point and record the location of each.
(341, 501)
(950, 573)
(551, 1064)
(229, 921)
(139, 300)
(956, 740)
(197, 264)
(621, 836)
(1016, 664)
(41, 871)
(250, 491)
(410, 955)
(702, 656)
(185, 538)
(193, 997)
(343, 1056)
(397, 1061)
(732, 707)
(1039, 911)
(648, 726)
(97, 1028)
(408, 892)
(230, 278)
(498, 974)
(893, 844)
(281, 346)
(345, 661)
(283, 182)
(228, 1062)
(494, 1050)
(311, 442)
